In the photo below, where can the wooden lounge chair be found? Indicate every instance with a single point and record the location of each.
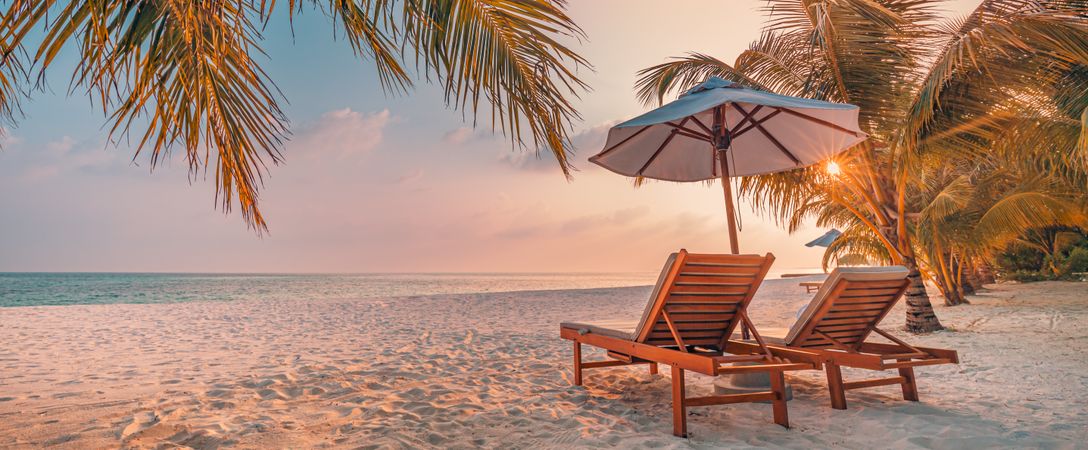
(697, 303)
(840, 318)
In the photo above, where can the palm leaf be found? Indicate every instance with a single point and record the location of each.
(183, 74)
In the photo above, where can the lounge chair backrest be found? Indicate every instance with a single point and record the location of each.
(848, 306)
(701, 295)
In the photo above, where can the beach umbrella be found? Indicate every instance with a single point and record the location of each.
(720, 129)
(826, 239)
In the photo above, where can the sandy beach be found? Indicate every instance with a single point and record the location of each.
(489, 370)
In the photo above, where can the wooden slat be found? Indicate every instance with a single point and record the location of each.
(619, 356)
(686, 335)
(720, 300)
(819, 341)
(870, 292)
(847, 327)
(702, 364)
(689, 326)
(679, 317)
(876, 284)
(704, 274)
(867, 299)
(669, 342)
(859, 307)
(718, 308)
(729, 359)
(714, 279)
(872, 314)
(833, 322)
(764, 368)
(879, 348)
(872, 383)
(916, 363)
(728, 399)
(854, 312)
(711, 289)
(840, 335)
(721, 269)
(599, 364)
(711, 258)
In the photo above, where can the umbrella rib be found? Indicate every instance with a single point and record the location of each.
(672, 134)
(747, 118)
(684, 132)
(760, 121)
(819, 121)
(700, 124)
(770, 137)
(628, 138)
(680, 128)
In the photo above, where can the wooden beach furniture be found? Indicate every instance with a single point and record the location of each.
(838, 322)
(811, 286)
(698, 301)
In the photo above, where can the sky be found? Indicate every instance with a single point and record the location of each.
(380, 183)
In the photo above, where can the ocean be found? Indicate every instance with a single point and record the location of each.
(31, 289)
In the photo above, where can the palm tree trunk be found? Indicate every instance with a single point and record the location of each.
(920, 315)
(985, 273)
(973, 282)
(960, 282)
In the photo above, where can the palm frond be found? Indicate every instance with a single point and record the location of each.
(1031, 205)
(506, 52)
(683, 72)
(183, 74)
(1005, 46)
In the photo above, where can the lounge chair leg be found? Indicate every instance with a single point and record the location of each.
(577, 363)
(778, 386)
(653, 368)
(679, 413)
(835, 387)
(910, 384)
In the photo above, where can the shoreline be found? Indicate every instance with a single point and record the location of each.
(471, 370)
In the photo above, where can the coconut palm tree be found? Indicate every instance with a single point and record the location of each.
(973, 213)
(926, 88)
(185, 74)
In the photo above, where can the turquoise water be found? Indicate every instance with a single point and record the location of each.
(30, 289)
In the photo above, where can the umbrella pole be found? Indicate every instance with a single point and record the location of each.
(730, 210)
(731, 218)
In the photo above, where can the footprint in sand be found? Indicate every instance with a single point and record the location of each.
(139, 423)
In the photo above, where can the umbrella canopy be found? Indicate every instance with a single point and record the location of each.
(826, 239)
(720, 129)
(764, 133)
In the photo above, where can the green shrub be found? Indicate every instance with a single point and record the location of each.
(1021, 258)
(1076, 262)
(1025, 276)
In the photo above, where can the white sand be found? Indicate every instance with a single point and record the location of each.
(489, 370)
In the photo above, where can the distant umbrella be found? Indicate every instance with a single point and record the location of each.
(826, 239)
(719, 129)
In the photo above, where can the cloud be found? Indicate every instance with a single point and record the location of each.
(66, 155)
(543, 161)
(62, 145)
(596, 222)
(591, 140)
(458, 135)
(7, 139)
(534, 224)
(340, 133)
(410, 177)
(584, 144)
